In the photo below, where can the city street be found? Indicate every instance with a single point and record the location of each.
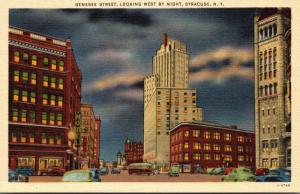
(124, 177)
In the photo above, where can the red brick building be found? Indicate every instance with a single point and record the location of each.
(44, 94)
(208, 145)
(134, 151)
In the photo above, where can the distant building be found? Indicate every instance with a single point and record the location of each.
(44, 94)
(134, 151)
(89, 154)
(272, 50)
(167, 99)
(210, 145)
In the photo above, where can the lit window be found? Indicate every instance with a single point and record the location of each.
(32, 97)
(217, 157)
(24, 115)
(265, 146)
(34, 60)
(227, 137)
(274, 163)
(240, 148)
(206, 156)
(15, 114)
(52, 100)
(51, 139)
(206, 135)
(228, 158)
(52, 118)
(227, 148)
(16, 76)
(186, 133)
(25, 77)
(216, 147)
(46, 62)
(58, 139)
(44, 138)
(53, 82)
(61, 66)
(45, 99)
(23, 137)
(59, 119)
(45, 81)
(186, 145)
(186, 156)
(17, 56)
(240, 158)
(53, 64)
(274, 145)
(240, 138)
(217, 136)
(25, 58)
(33, 78)
(60, 84)
(265, 163)
(31, 137)
(44, 118)
(196, 146)
(206, 146)
(196, 133)
(24, 96)
(16, 95)
(14, 136)
(196, 156)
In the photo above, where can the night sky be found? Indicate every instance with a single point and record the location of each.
(114, 50)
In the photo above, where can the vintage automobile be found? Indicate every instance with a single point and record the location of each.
(104, 171)
(218, 171)
(53, 170)
(115, 171)
(261, 171)
(174, 170)
(238, 175)
(25, 171)
(88, 175)
(12, 176)
(275, 175)
(140, 168)
(228, 170)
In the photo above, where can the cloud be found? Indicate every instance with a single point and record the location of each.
(131, 94)
(112, 81)
(234, 58)
(111, 56)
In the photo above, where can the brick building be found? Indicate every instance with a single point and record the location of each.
(97, 141)
(44, 93)
(134, 151)
(208, 145)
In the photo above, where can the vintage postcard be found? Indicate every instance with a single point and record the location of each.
(149, 96)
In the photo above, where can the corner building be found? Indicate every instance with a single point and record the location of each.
(196, 145)
(272, 91)
(167, 99)
(44, 94)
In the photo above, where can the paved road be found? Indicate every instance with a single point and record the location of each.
(124, 177)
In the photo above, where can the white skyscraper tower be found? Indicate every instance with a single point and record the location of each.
(167, 99)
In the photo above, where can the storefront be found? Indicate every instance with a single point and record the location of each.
(46, 162)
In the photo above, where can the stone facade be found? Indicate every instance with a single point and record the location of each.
(271, 104)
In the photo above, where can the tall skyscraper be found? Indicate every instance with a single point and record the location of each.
(167, 99)
(272, 99)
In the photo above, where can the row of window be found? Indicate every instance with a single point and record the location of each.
(24, 115)
(263, 64)
(33, 60)
(268, 111)
(268, 129)
(25, 137)
(271, 145)
(30, 96)
(216, 157)
(54, 82)
(273, 163)
(207, 135)
(268, 90)
(267, 32)
(207, 146)
(177, 93)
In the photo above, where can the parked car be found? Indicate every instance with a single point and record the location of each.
(218, 171)
(104, 171)
(12, 176)
(209, 170)
(275, 175)
(261, 171)
(174, 170)
(115, 171)
(88, 175)
(25, 171)
(140, 168)
(228, 170)
(54, 170)
(238, 175)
